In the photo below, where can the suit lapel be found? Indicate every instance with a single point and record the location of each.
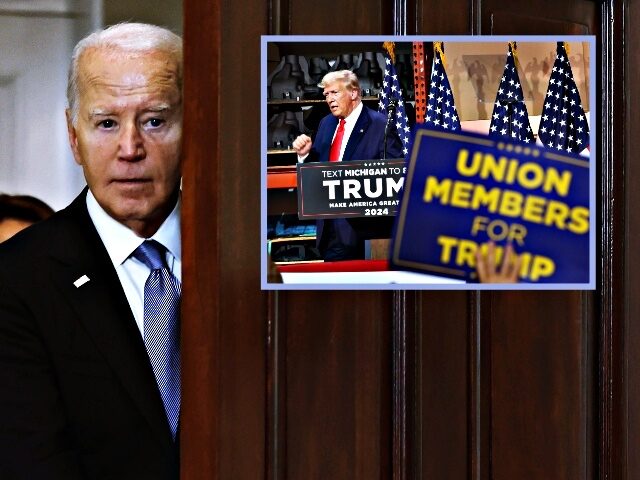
(103, 309)
(359, 129)
(325, 148)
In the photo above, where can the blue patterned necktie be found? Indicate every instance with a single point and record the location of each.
(161, 326)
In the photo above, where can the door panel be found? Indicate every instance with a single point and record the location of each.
(543, 17)
(336, 401)
(360, 17)
(481, 385)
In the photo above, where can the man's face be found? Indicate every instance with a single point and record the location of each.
(340, 100)
(127, 134)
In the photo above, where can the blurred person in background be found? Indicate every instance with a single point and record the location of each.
(18, 212)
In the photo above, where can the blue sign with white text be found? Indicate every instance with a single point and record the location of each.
(463, 190)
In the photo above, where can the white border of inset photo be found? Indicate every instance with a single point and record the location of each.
(397, 280)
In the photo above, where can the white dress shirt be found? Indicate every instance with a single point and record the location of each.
(120, 242)
(349, 123)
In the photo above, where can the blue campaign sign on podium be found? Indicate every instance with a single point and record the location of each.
(463, 190)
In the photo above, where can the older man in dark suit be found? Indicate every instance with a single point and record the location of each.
(89, 299)
(351, 132)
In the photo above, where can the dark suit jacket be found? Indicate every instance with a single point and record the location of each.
(77, 392)
(365, 143)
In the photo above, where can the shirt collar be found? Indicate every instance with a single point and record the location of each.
(353, 116)
(120, 241)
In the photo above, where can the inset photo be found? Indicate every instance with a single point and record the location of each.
(428, 163)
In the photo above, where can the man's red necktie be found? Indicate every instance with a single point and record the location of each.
(334, 153)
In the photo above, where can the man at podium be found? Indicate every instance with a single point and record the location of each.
(351, 131)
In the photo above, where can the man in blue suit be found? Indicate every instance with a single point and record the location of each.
(351, 132)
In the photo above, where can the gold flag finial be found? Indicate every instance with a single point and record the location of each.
(566, 48)
(437, 48)
(514, 52)
(390, 47)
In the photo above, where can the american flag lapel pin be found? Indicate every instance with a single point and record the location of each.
(81, 281)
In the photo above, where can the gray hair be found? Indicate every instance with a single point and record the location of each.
(131, 37)
(347, 77)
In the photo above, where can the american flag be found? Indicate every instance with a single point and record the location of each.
(441, 109)
(563, 124)
(510, 118)
(391, 89)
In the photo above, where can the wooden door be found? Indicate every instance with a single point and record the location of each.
(382, 384)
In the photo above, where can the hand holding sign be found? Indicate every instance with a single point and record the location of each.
(488, 271)
(302, 145)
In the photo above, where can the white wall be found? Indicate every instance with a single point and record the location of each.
(36, 40)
